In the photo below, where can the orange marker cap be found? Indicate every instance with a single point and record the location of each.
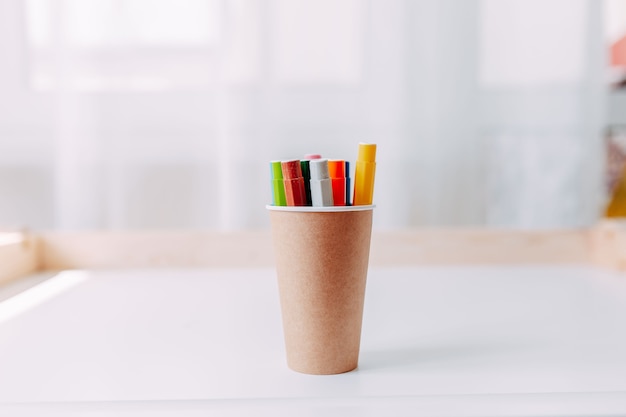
(337, 168)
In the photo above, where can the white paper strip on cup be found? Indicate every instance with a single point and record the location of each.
(327, 209)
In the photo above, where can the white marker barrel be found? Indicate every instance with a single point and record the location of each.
(321, 188)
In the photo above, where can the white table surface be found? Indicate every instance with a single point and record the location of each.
(462, 340)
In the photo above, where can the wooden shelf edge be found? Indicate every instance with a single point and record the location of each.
(19, 255)
(63, 250)
(603, 245)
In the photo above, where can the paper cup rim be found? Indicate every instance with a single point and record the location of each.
(324, 209)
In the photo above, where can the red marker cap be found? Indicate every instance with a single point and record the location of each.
(291, 169)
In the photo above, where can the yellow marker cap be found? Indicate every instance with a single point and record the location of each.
(367, 152)
(364, 175)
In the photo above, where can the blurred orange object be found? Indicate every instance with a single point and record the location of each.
(618, 53)
(615, 175)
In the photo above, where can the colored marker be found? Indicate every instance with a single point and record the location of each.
(321, 188)
(304, 167)
(337, 171)
(364, 175)
(310, 156)
(278, 187)
(294, 183)
(348, 183)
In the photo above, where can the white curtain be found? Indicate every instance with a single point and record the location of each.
(163, 114)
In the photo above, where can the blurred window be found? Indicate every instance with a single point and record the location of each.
(121, 44)
(317, 41)
(103, 23)
(97, 45)
(520, 47)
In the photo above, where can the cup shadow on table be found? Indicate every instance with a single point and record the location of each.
(426, 356)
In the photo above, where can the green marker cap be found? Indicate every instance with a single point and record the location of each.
(304, 166)
(277, 170)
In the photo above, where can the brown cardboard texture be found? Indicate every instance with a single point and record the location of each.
(321, 262)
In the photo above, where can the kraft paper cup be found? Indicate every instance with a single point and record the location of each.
(322, 256)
